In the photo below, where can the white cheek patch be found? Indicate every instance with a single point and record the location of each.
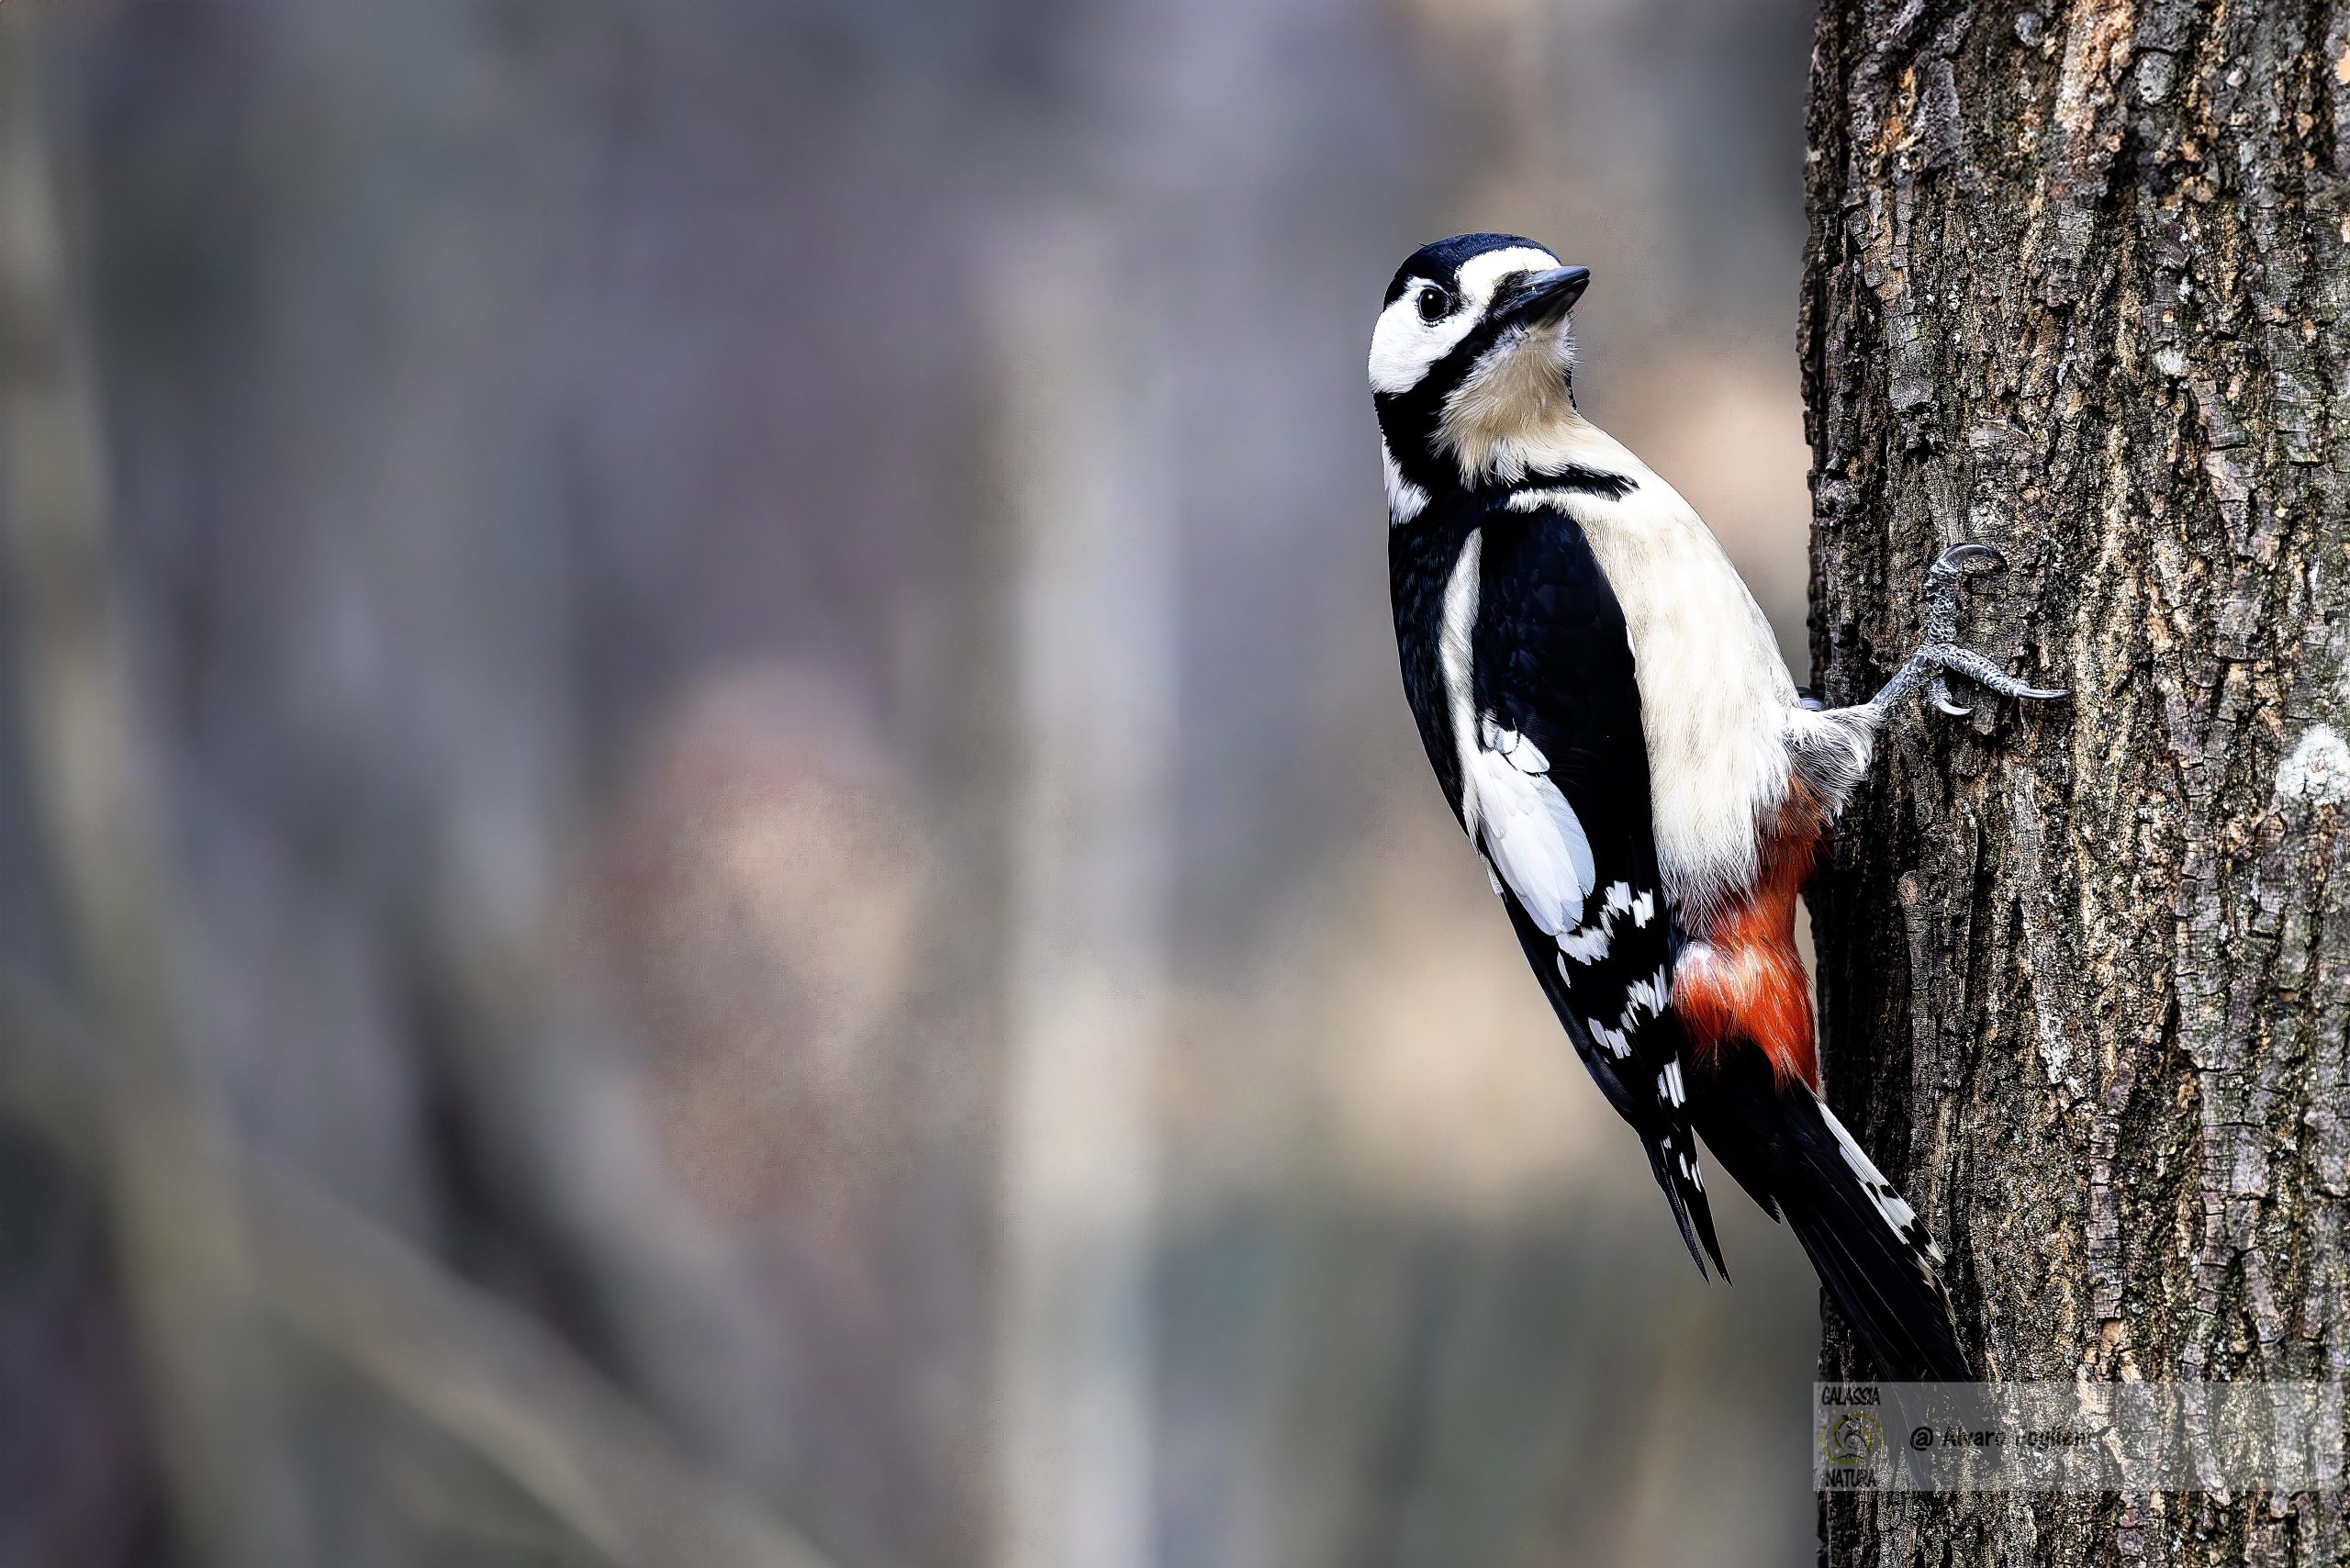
(1403, 347)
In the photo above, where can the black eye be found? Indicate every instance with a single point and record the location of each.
(1434, 304)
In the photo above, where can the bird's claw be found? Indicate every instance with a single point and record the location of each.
(1943, 656)
(1957, 556)
(1947, 659)
(1949, 569)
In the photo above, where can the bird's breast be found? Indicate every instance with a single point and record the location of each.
(1714, 692)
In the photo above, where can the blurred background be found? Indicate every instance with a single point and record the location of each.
(709, 852)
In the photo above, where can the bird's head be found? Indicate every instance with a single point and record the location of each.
(1472, 358)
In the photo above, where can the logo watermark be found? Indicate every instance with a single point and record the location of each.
(2080, 1437)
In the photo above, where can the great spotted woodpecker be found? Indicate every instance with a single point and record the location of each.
(1607, 711)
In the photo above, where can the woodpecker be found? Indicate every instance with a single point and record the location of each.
(1607, 711)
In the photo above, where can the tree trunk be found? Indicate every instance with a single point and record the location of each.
(2074, 288)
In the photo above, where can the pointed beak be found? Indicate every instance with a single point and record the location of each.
(1540, 300)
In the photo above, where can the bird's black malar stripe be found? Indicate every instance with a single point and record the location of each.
(1581, 480)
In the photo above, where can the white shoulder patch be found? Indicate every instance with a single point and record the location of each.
(1537, 843)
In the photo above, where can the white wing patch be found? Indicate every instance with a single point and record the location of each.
(1535, 840)
(1531, 836)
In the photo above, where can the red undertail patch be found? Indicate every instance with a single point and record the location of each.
(1740, 981)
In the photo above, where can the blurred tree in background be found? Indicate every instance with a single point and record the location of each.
(706, 849)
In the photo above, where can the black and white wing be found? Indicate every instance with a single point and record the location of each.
(1554, 789)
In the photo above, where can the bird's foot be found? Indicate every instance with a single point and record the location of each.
(1941, 656)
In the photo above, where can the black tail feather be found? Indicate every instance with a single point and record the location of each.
(1684, 1190)
(1872, 1251)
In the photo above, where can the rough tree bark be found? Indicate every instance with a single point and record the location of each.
(2076, 287)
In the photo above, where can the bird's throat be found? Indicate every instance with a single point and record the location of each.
(1517, 423)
